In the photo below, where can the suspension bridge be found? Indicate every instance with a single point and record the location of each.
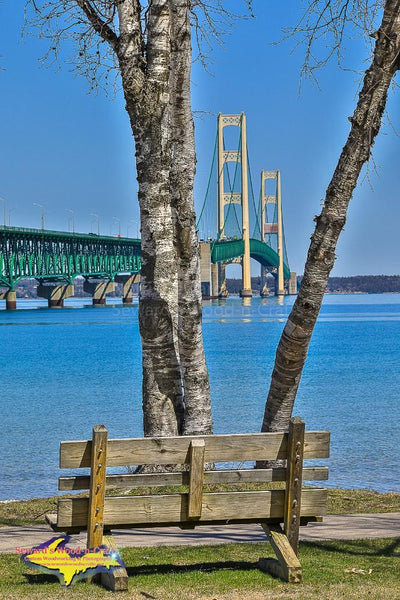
(56, 258)
(233, 228)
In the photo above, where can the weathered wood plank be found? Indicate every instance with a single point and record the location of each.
(51, 519)
(189, 524)
(97, 489)
(290, 567)
(294, 481)
(175, 450)
(115, 579)
(196, 477)
(81, 482)
(137, 510)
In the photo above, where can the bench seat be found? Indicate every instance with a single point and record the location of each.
(280, 511)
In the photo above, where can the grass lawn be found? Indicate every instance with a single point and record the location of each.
(229, 572)
(226, 572)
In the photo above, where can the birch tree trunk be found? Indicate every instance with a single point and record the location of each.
(147, 95)
(197, 416)
(152, 44)
(365, 124)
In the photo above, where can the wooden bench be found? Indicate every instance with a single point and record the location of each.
(291, 505)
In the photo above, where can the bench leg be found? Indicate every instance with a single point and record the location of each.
(115, 579)
(288, 566)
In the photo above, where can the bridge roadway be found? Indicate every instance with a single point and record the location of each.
(56, 258)
(224, 251)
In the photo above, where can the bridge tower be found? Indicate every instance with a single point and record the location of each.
(225, 198)
(276, 227)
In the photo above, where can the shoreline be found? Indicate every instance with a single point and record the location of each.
(326, 484)
(340, 501)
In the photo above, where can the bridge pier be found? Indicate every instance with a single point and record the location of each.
(222, 289)
(246, 293)
(264, 287)
(55, 294)
(127, 282)
(292, 287)
(11, 300)
(205, 270)
(99, 290)
(213, 281)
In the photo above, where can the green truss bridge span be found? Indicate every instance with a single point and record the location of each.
(56, 258)
(227, 251)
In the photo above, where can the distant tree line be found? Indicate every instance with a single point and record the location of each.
(366, 284)
(234, 286)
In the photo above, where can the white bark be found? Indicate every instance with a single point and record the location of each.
(147, 98)
(195, 380)
(153, 52)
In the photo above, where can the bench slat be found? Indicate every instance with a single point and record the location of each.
(137, 510)
(196, 478)
(81, 482)
(175, 450)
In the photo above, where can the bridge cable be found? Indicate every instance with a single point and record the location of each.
(231, 188)
(209, 182)
(256, 214)
(285, 254)
(269, 242)
(272, 218)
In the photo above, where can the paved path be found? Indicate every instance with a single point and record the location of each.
(334, 527)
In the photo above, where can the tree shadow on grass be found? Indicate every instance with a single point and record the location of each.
(163, 569)
(365, 547)
(43, 578)
(205, 567)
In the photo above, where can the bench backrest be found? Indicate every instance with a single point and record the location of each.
(191, 454)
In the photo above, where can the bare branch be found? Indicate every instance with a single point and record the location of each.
(61, 21)
(100, 26)
(211, 21)
(324, 26)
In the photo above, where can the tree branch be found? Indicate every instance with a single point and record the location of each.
(98, 24)
(365, 125)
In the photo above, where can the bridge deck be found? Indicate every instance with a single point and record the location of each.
(62, 256)
(227, 250)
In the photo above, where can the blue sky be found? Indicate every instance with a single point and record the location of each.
(67, 149)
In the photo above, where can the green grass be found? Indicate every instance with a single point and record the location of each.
(31, 512)
(229, 572)
(27, 512)
(226, 572)
(361, 501)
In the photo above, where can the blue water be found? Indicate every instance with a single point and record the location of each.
(62, 371)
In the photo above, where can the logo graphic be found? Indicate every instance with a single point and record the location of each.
(71, 564)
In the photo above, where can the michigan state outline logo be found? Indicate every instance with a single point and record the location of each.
(71, 564)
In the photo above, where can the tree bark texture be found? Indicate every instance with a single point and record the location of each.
(365, 124)
(197, 416)
(147, 95)
(176, 395)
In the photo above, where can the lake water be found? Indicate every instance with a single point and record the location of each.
(62, 371)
